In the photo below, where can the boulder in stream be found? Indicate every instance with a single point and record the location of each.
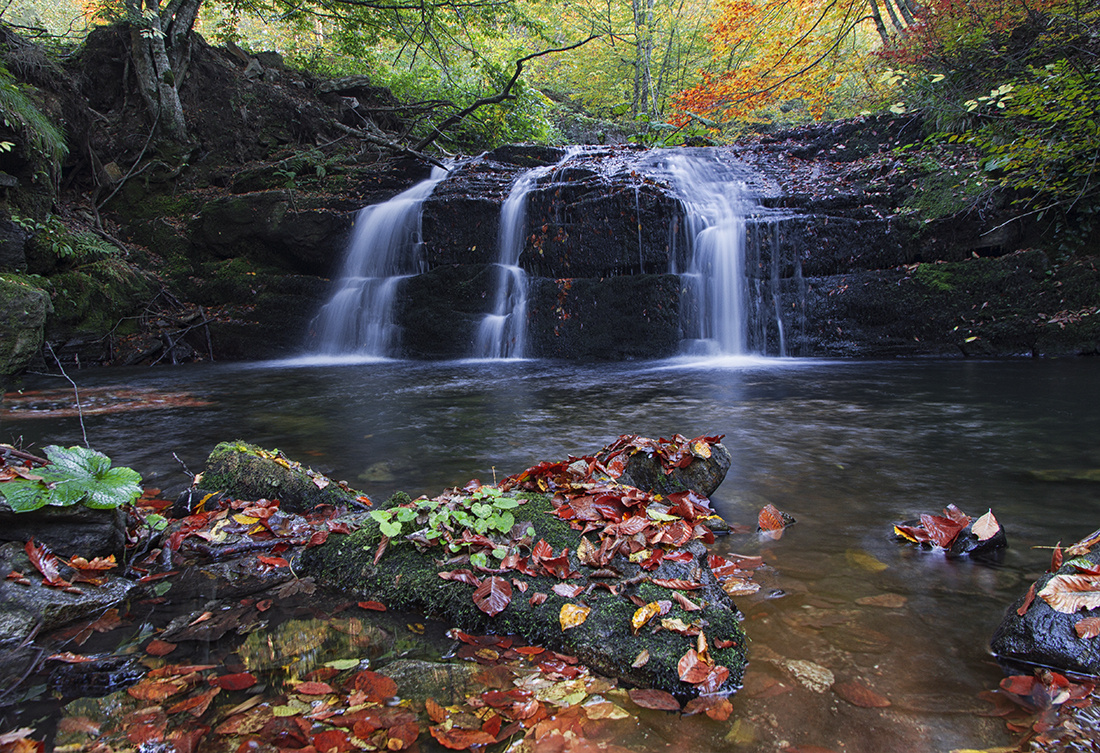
(1055, 624)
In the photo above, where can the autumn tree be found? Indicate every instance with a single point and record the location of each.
(766, 52)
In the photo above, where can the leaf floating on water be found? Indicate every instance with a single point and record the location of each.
(860, 695)
(1088, 627)
(1069, 593)
(657, 700)
(572, 615)
(770, 519)
(716, 707)
(985, 527)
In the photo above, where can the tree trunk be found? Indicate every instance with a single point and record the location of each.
(160, 46)
(879, 24)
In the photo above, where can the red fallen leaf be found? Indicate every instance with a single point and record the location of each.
(770, 519)
(97, 563)
(196, 704)
(538, 599)
(376, 606)
(858, 694)
(157, 647)
(498, 699)
(156, 691)
(567, 590)
(649, 698)
(1021, 685)
(714, 680)
(401, 736)
(692, 669)
(493, 595)
(331, 740)
(436, 712)
(492, 725)
(1056, 558)
(558, 566)
(460, 739)
(530, 650)
(272, 561)
(313, 688)
(462, 576)
(186, 740)
(378, 688)
(318, 538)
(1030, 597)
(237, 681)
(541, 550)
(1088, 627)
(716, 707)
(685, 603)
(943, 530)
(46, 563)
(676, 584)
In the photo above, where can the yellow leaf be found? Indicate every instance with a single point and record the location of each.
(572, 615)
(904, 535)
(864, 561)
(245, 520)
(700, 449)
(644, 614)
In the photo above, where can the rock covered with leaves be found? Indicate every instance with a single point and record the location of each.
(566, 556)
(1056, 624)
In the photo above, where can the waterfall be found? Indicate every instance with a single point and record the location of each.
(717, 206)
(383, 251)
(502, 332)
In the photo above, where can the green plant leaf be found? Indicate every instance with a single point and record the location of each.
(24, 496)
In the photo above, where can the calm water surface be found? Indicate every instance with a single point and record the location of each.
(846, 448)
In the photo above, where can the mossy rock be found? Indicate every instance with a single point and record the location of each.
(408, 579)
(23, 312)
(245, 471)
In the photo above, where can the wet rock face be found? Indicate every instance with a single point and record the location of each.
(23, 312)
(1043, 636)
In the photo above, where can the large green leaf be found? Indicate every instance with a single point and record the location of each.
(76, 475)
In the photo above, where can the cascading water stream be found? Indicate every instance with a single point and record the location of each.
(383, 251)
(717, 205)
(502, 332)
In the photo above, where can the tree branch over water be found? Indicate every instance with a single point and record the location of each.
(503, 94)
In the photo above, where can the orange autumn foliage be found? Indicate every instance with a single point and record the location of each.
(772, 51)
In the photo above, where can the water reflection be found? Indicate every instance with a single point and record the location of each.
(847, 448)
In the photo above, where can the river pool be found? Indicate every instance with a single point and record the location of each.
(847, 448)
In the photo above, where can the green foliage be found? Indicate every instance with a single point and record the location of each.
(75, 476)
(486, 512)
(42, 140)
(65, 244)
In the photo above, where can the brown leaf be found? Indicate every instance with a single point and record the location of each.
(435, 711)
(1069, 593)
(692, 669)
(567, 590)
(538, 599)
(493, 595)
(649, 698)
(685, 603)
(716, 707)
(462, 576)
(1056, 558)
(676, 583)
(641, 659)
(770, 519)
(860, 695)
(1088, 627)
(1022, 609)
(313, 688)
(157, 647)
(985, 527)
(572, 615)
(460, 739)
(378, 688)
(46, 563)
(236, 681)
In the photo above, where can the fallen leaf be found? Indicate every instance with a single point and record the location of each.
(692, 669)
(1088, 627)
(373, 605)
(641, 659)
(716, 707)
(567, 590)
(236, 681)
(1069, 593)
(157, 647)
(572, 615)
(644, 614)
(313, 688)
(493, 595)
(770, 519)
(650, 698)
(1030, 597)
(985, 527)
(860, 695)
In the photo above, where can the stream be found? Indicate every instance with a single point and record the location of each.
(847, 448)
